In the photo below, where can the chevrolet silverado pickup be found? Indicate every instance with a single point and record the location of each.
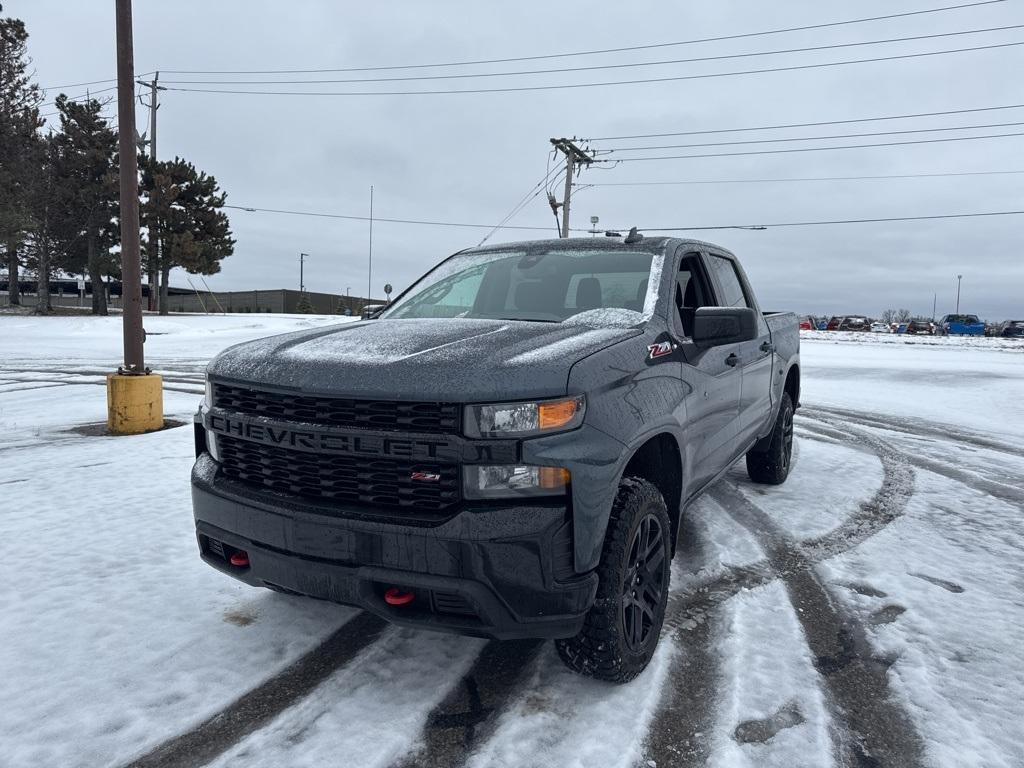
(505, 451)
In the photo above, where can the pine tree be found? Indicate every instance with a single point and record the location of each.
(19, 123)
(86, 192)
(46, 219)
(304, 305)
(181, 209)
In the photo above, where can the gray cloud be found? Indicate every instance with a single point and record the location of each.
(471, 157)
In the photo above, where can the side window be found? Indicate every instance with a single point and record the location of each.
(729, 281)
(691, 291)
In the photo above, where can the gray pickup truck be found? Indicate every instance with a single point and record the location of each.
(508, 449)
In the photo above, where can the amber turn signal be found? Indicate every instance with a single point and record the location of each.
(558, 413)
(554, 477)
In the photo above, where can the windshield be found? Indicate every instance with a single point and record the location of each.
(599, 287)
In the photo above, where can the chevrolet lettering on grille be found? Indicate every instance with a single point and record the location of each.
(317, 441)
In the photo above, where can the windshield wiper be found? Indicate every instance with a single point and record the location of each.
(528, 319)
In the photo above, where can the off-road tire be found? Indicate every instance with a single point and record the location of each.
(603, 649)
(770, 459)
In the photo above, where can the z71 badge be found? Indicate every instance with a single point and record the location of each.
(661, 349)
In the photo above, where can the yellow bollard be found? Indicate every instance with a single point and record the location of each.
(135, 404)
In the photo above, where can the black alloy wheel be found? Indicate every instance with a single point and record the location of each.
(642, 583)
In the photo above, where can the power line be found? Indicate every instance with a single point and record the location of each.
(87, 95)
(836, 221)
(534, 191)
(91, 82)
(808, 178)
(811, 149)
(379, 219)
(629, 65)
(815, 138)
(642, 229)
(595, 52)
(639, 81)
(807, 125)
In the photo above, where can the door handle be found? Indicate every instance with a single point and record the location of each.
(732, 360)
(767, 347)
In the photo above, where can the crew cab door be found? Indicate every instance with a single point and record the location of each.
(756, 357)
(713, 376)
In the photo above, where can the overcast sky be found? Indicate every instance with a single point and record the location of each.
(471, 157)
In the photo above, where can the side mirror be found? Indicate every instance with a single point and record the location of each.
(715, 326)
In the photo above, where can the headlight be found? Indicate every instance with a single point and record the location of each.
(521, 419)
(211, 437)
(511, 480)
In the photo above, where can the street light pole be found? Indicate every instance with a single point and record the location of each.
(302, 272)
(958, 277)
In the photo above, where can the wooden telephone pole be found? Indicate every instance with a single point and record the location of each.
(134, 395)
(154, 242)
(574, 159)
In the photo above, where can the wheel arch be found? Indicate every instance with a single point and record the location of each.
(659, 461)
(792, 385)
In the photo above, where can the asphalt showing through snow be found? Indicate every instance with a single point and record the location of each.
(260, 705)
(873, 731)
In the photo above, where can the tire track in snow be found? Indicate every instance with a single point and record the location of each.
(1008, 493)
(914, 427)
(887, 504)
(681, 731)
(223, 730)
(877, 732)
(469, 714)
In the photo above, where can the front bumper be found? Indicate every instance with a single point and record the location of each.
(496, 571)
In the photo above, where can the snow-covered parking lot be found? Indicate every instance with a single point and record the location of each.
(869, 612)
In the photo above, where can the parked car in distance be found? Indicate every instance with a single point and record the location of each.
(854, 323)
(920, 327)
(961, 325)
(371, 310)
(878, 327)
(1012, 329)
(834, 323)
(807, 323)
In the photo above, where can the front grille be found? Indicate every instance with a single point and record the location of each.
(353, 479)
(389, 415)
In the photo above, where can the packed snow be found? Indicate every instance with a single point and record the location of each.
(117, 638)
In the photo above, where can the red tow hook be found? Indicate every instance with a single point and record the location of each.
(398, 596)
(239, 559)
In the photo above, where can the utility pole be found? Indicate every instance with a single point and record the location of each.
(369, 271)
(302, 272)
(574, 157)
(134, 396)
(154, 241)
(958, 277)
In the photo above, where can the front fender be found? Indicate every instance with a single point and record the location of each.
(593, 458)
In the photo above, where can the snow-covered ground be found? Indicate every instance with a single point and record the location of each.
(868, 612)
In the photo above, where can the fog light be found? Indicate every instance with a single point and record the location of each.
(512, 480)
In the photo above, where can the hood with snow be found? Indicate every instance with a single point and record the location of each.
(455, 360)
